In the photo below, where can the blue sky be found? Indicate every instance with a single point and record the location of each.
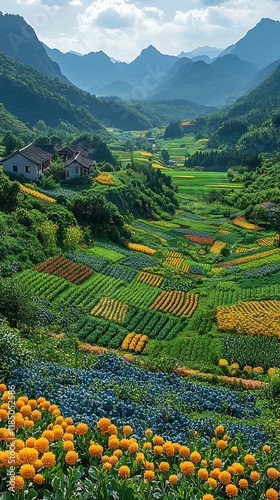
(122, 28)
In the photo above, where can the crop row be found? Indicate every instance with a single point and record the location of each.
(193, 232)
(176, 302)
(202, 349)
(259, 272)
(217, 247)
(239, 250)
(100, 332)
(95, 263)
(240, 221)
(65, 268)
(174, 259)
(153, 324)
(248, 258)
(86, 294)
(147, 228)
(134, 342)
(105, 178)
(251, 350)
(266, 241)
(138, 261)
(227, 297)
(150, 279)
(44, 285)
(201, 240)
(136, 293)
(250, 318)
(110, 309)
(141, 248)
(36, 194)
(120, 272)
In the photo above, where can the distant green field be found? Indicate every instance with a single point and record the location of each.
(193, 182)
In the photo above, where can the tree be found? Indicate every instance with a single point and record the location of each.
(9, 191)
(11, 349)
(260, 215)
(16, 303)
(11, 142)
(165, 156)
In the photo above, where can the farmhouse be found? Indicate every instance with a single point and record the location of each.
(30, 161)
(269, 206)
(77, 166)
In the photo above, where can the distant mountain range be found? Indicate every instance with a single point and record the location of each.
(205, 75)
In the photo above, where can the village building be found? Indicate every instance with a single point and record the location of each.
(31, 161)
(77, 166)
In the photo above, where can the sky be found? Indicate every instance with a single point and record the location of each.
(122, 28)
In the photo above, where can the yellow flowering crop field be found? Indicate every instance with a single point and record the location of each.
(176, 302)
(134, 342)
(36, 194)
(150, 279)
(111, 309)
(251, 318)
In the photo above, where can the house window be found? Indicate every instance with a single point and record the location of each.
(67, 173)
(76, 170)
(27, 169)
(15, 168)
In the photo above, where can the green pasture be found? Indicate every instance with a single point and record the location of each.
(195, 182)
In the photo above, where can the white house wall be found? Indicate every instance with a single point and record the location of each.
(21, 162)
(72, 171)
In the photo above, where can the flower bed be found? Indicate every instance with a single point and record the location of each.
(240, 221)
(201, 240)
(57, 455)
(176, 302)
(141, 248)
(150, 279)
(37, 194)
(174, 259)
(134, 342)
(111, 309)
(105, 179)
(248, 258)
(65, 268)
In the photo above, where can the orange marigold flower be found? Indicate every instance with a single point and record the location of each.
(195, 457)
(48, 460)
(272, 473)
(107, 466)
(57, 432)
(3, 414)
(70, 429)
(69, 420)
(168, 449)
(208, 496)
(39, 479)
(3, 387)
(112, 429)
(149, 475)
(140, 457)
(16, 483)
(28, 424)
(212, 482)
(164, 466)
(147, 446)
(30, 442)
(231, 490)
(148, 432)
(118, 453)
(113, 443)
(187, 468)
(224, 477)
(158, 450)
(255, 476)
(184, 451)
(271, 494)
(32, 403)
(221, 444)
(203, 474)
(68, 436)
(36, 415)
(38, 464)
(234, 449)
(71, 457)
(113, 460)
(42, 445)
(95, 450)
(127, 430)
(27, 471)
(158, 440)
(243, 483)
(133, 448)
(124, 443)
(59, 419)
(49, 435)
(177, 447)
(266, 448)
(215, 473)
(249, 460)
(231, 470)
(124, 471)
(217, 463)
(219, 431)
(149, 466)
(173, 479)
(68, 445)
(27, 455)
(239, 468)
(103, 424)
(18, 444)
